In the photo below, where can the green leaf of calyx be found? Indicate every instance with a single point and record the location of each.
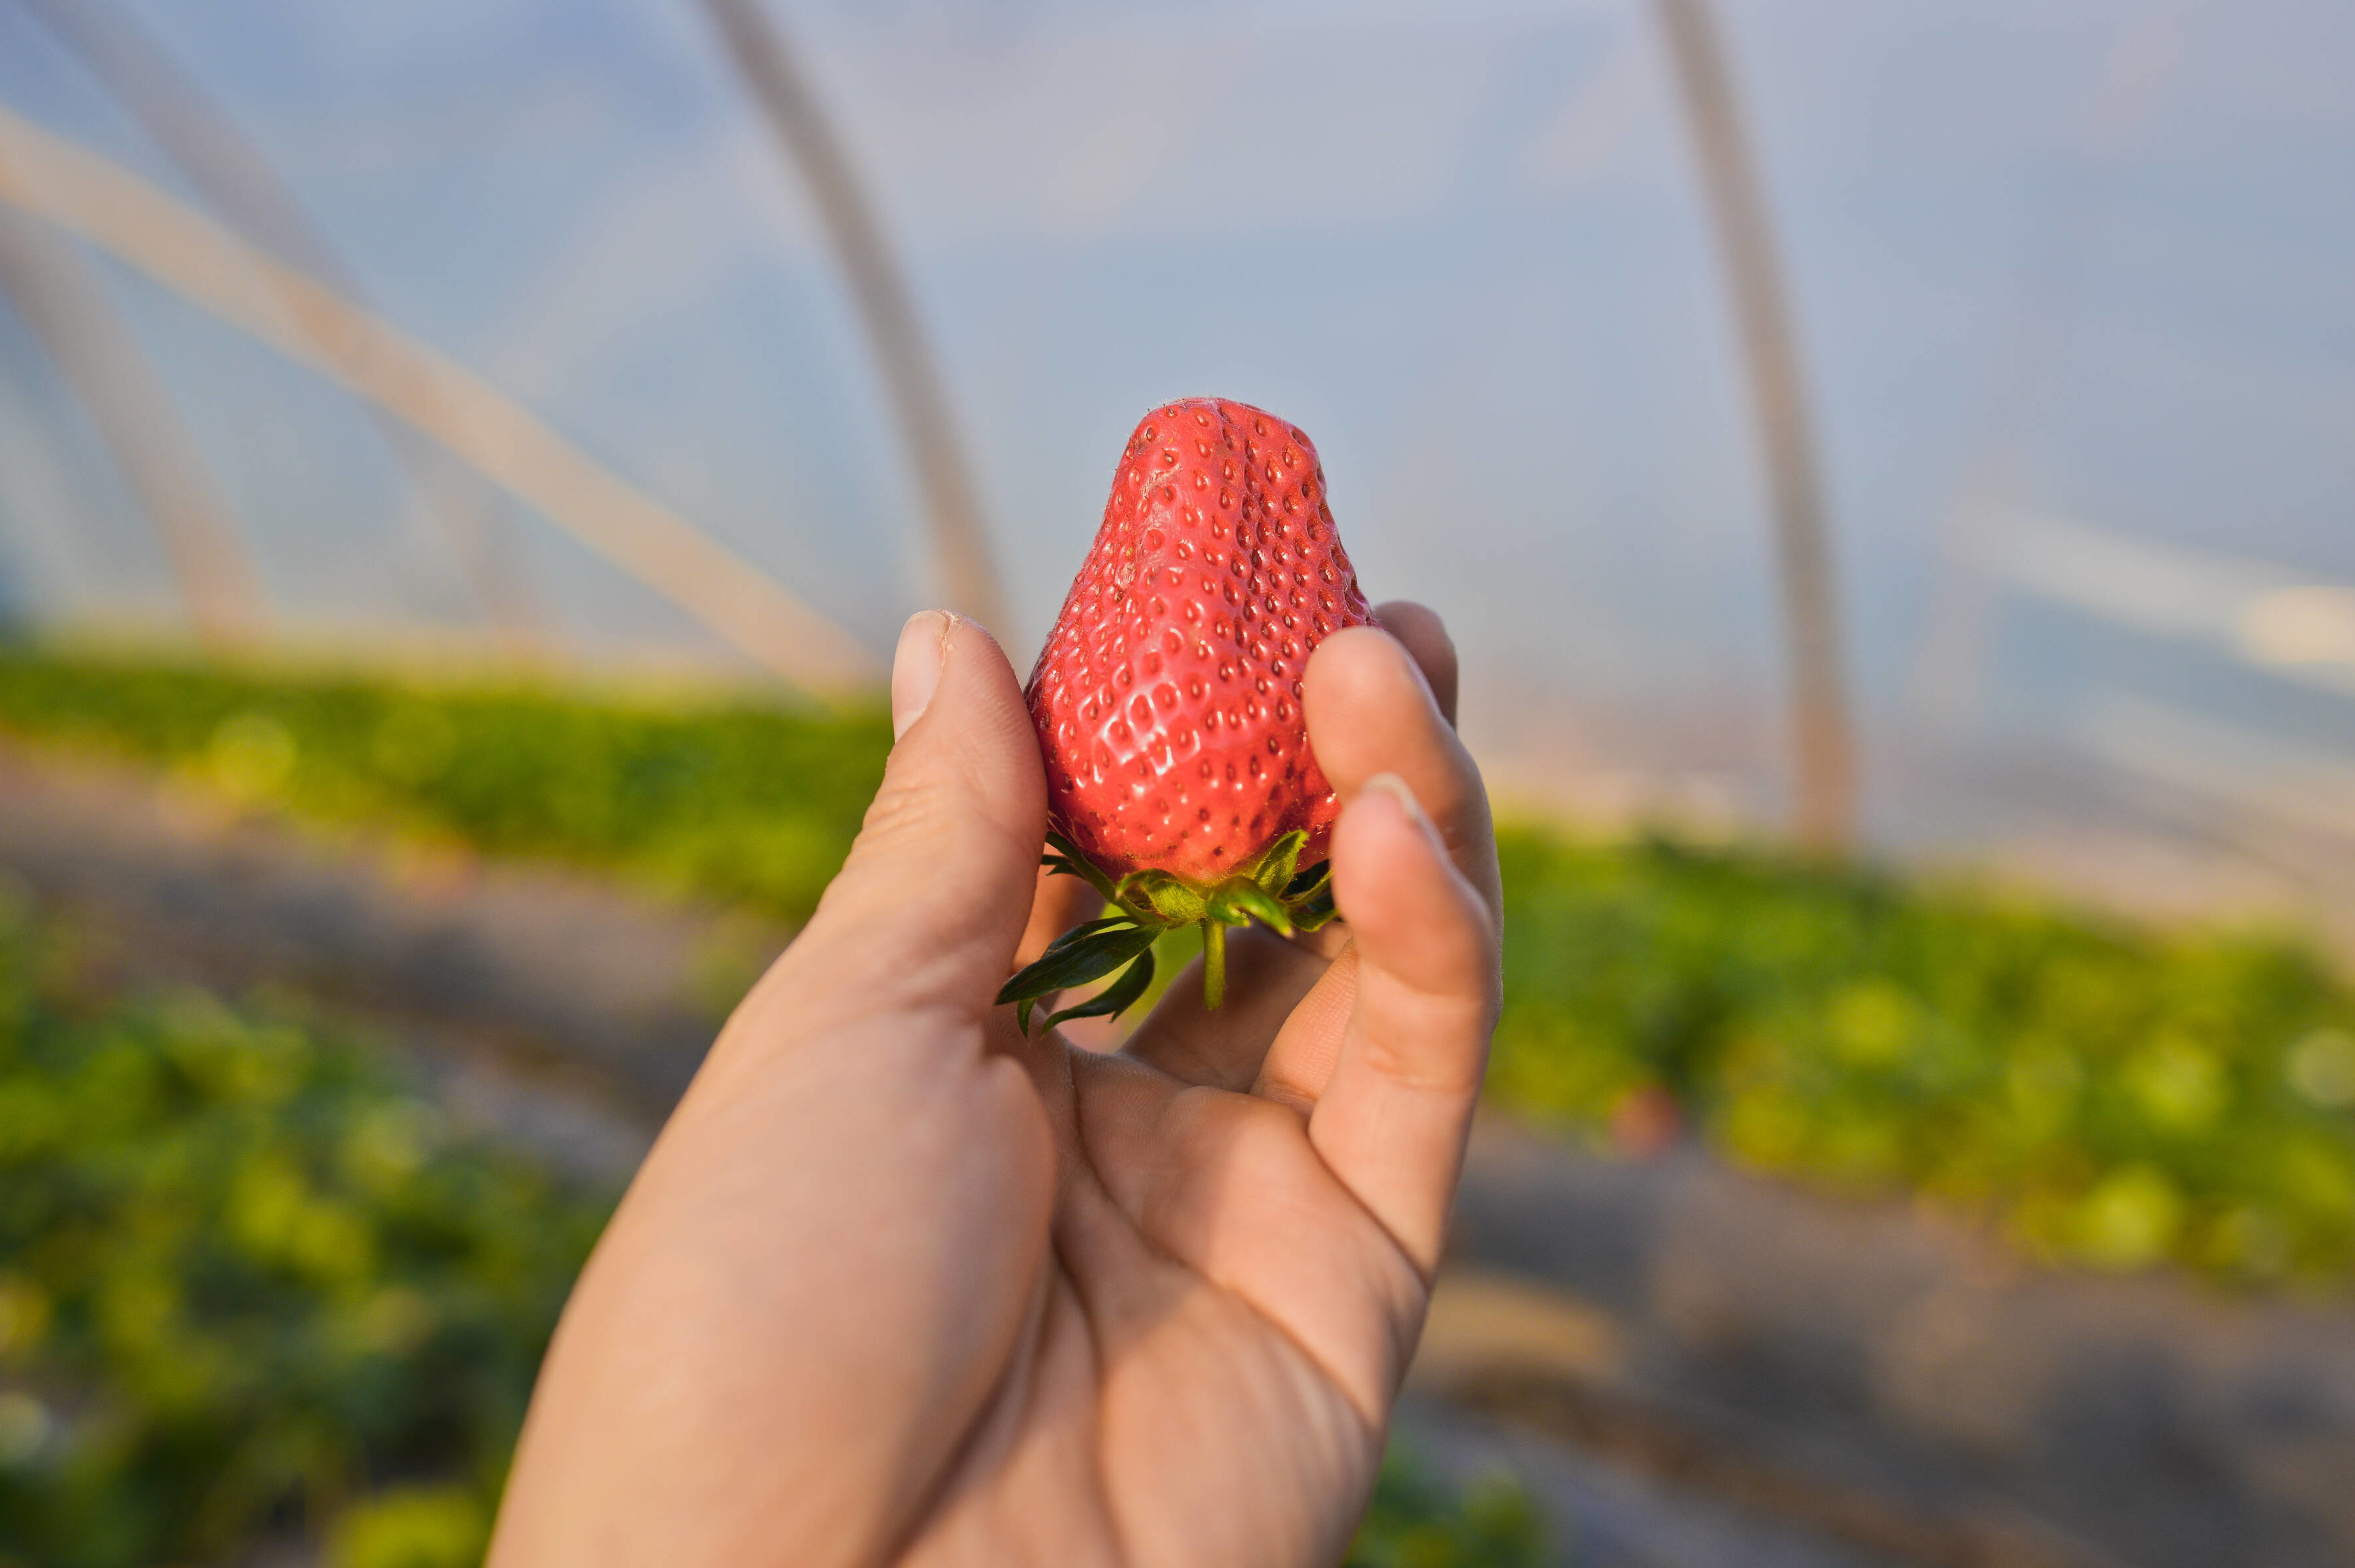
(1164, 894)
(1086, 931)
(1113, 999)
(1084, 954)
(1074, 864)
(1251, 899)
(1314, 911)
(1307, 882)
(1279, 860)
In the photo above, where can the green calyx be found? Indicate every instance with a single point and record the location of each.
(1143, 906)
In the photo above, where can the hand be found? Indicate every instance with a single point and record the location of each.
(898, 1286)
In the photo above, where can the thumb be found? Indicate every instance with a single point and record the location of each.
(926, 912)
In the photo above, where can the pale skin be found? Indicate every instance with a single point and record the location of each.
(898, 1286)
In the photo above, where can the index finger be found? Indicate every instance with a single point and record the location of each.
(1423, 634)
(1371, 710)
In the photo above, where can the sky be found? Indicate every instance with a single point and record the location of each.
(2059, 273)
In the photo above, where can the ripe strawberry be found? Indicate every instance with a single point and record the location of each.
(1168, 696)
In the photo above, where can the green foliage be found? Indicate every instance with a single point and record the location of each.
(737, 800)
(2113, 1096)
(1415, 1522)
(247, 1279)
(413, 1527)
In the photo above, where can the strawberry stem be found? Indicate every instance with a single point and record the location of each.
(1214, 963)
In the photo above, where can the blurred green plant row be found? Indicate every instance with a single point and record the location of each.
(252, 1287)
(733, 800)
(2106, 1095)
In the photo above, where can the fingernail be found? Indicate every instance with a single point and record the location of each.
(1396, 788)
(916, 667)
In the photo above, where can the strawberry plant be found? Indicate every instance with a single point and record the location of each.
(2102, 1092)
(713, 794)
(253, 1286)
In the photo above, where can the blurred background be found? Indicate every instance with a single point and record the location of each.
(1889, 470)
(2068, 286)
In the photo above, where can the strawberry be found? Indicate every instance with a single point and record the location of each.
(1167, 699)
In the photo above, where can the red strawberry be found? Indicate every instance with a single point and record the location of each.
(1168, 696)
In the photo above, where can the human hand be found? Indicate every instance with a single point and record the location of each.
(897, 1284)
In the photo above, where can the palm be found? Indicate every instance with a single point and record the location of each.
(1213, 1293)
